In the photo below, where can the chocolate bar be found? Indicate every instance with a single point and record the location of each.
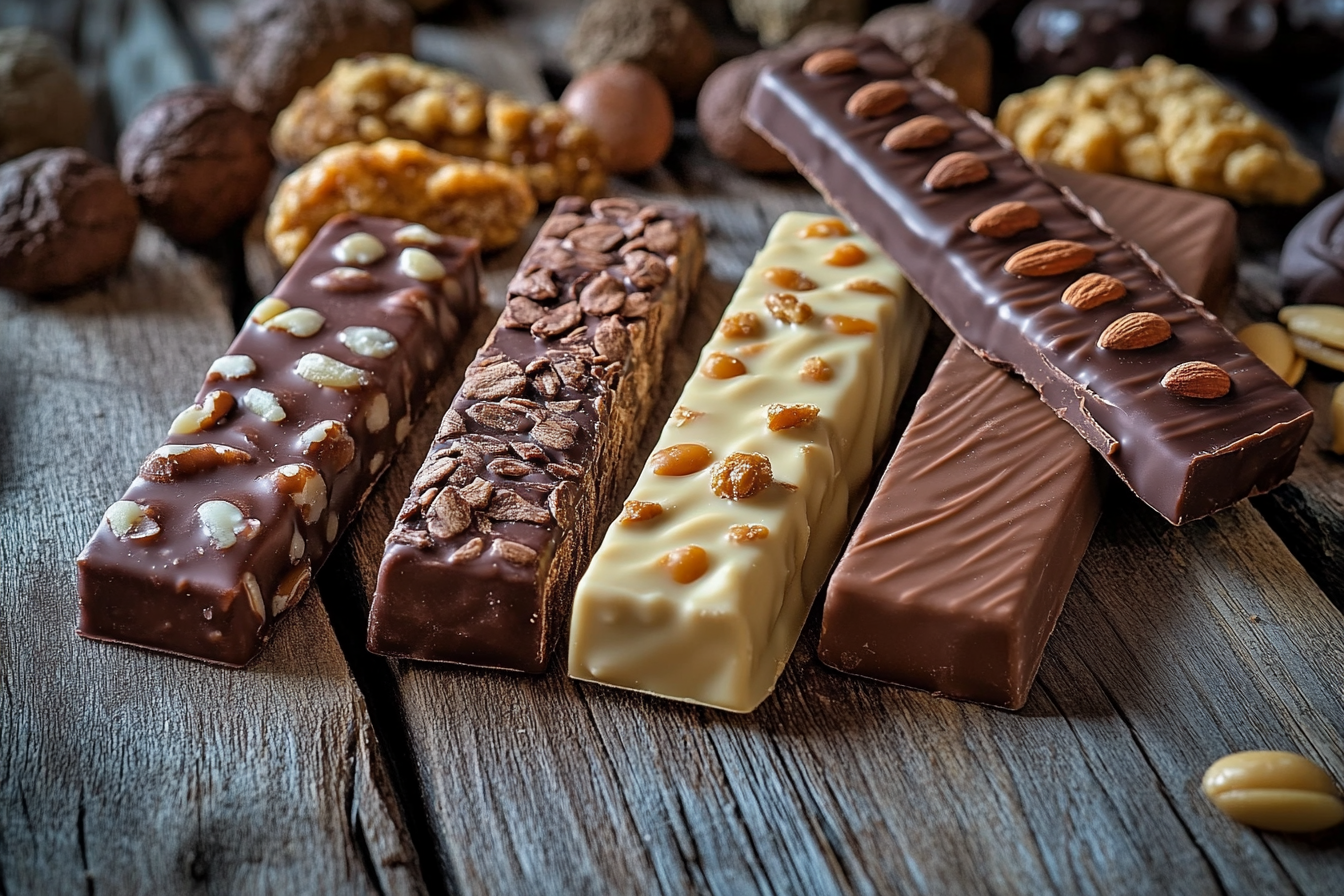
(987, 475)
(481, 565)
(231, 518)
(1034, 280)
(701, 587)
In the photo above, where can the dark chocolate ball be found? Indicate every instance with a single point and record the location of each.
(1312, 264)
(196, 161)
(65, 219)
(1068, 37)
(718, 114)
(279, 46)
(664, 36)
(629, 109)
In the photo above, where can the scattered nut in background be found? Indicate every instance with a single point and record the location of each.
(1275, 791)
(663, 36)
(65, 218)
(279, 46)
(1272, 344)
(196, 162)
(629, 110)
(41, 103)
(938, 46)
(775, 21)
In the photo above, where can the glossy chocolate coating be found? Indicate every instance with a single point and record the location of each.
(177, 592)
(433, 603)
(1185, 457)
(1312, 263)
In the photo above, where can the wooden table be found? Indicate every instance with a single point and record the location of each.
(325, 769)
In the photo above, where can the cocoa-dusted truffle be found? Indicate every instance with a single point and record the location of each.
(663, 36)
(938, 46)
(628, 108)
(41, 103)
(1312, 263)
(279, 46)
(196, 161)
(718, 114)
(65, 218)
(776, 21)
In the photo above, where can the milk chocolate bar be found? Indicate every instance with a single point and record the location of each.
(701, 586)
(481, 565)
(229, 520)
(958, 569)
(1034, 280)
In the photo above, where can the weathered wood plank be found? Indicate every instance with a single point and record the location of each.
(122, 771)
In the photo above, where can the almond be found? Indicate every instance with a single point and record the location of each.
(1092, 291)
(877, 99)
(1141, 329)
(1048, 258)
(834, 61)
(1006, 219)
(917, 133)
(954, 170)
(1197, 379)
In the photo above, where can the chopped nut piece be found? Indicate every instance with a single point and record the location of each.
(420, 265)
(846, 255)
(639, 511)
(266, 309)
(172, 462)
(291, 589)
(816, 370)
(329, 442)
(478, 493)
(305, 487)
(223, 523)
(515, 553)
(231, 367)
(418, 235)
(324, 370)
(128, 519)
(253, 590)
(825, 227)
(469, 551)
(788, 278)
(785, 307)
(850, 326)
(299, 322)
(345, 280)
(371, 342)
(557, 433)
(359, 248)
(685, 565)
(378, 414)
(507, 466)
(863, 284)
(788, 416)
(509, 506)
(212, 409)
(740, 475)
(719, 366)
(680, 460)
(743, 325)
(742, 534)
(264, 404)
(494, 381)
(449, 515)
(376, 462)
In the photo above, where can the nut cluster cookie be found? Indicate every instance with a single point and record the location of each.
(400, 179)
(391, 95)
(1162, 122)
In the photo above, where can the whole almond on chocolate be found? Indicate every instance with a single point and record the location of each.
(1092, 291)
(877, 99)
(1049, 258)
(835, 61)
(1140, 329)
(1006, 219)
(957, 169)
(921, 132)
(1197, 379)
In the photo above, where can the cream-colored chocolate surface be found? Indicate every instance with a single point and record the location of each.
(723, 637)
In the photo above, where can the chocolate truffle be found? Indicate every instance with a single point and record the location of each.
(628, 108)
(41, 103)
(719, 116)
(65, 218)
(1068, 37)
(196, 161)
(938, 46)
(776, 21)
(279, 46)
(1312, 264)
(663, 36)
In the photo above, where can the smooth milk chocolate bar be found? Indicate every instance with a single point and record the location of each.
(481, 565)
(230, 519)
(958, 569)
(701, 587)
(1034, 280)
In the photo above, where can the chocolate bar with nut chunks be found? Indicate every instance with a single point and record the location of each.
(1034, 280)
(231, 517)
(481, 565)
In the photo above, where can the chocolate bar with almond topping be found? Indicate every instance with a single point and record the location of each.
(481, 564)
(1034, 280)
(229, 520)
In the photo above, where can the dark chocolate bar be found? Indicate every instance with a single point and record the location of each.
(229, 520)
(998, 251)
(481, 565)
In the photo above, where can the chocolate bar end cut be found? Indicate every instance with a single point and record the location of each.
(229, 520)
(1002, 254)
(481, 565)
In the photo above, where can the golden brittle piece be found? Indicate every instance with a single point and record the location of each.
(400, 179)
(1162, 122)
(389, 95)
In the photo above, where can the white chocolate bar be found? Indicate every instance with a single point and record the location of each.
(722, 637)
